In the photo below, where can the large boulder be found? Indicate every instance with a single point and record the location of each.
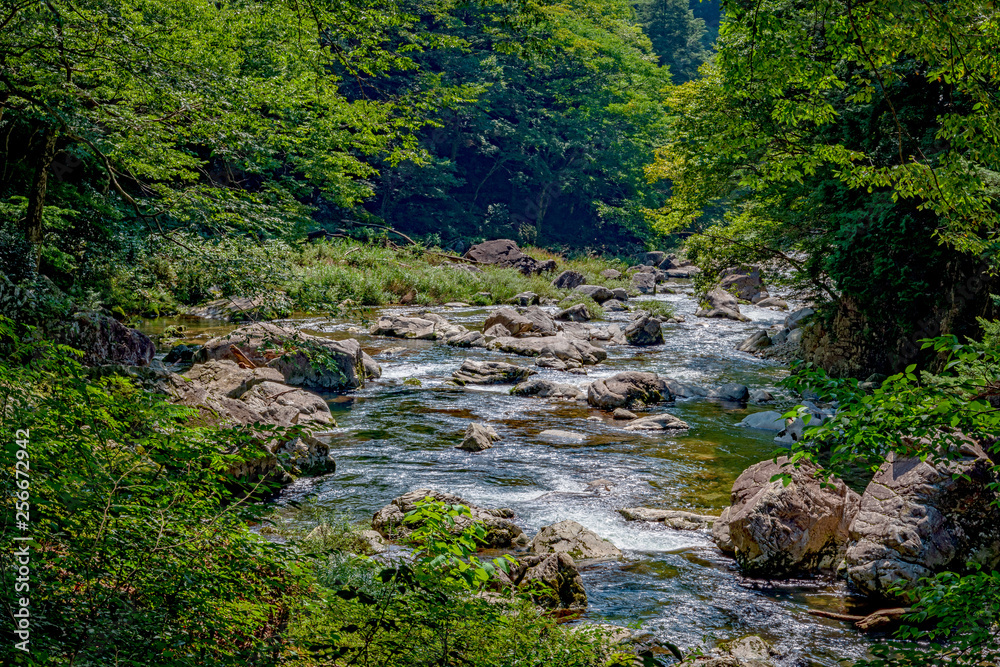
(661, 422)
(577, 313)
(743, 282)
(104, 340)
(749, 651)
(490, 372)
(731, 393)
(598, 293)
(769, 420)
(758, 340)
(510, 319)
(628, 389)
(478, 437)
(557, 347)
(644, 331)
(574, 539)
(683, 272)
(720, 303)
(542, 324)
(918, 518)
(302, 359)
(505, 253)
(553, 580)
(547, 389)
(425, 326)
(569, 280)
(776, 530)
(501, 532)
(644, 281)
(796, 319)
(610, 274)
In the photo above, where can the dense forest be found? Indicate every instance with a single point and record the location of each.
(595, 178)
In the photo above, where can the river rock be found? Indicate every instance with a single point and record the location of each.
(654, 258)
(598, 293)
(542, 324)
(796, 319)
(745, 283)
(731, 393)
(645, 282)
(505, 253)
(620, 294)
(662, 422)
(776, 530)
(501, 532)
(574, 539)
(470, 339)
(303, 359)
(525, 299)
(478, 437)
(721, 304)
(644, 331)
(489, 372)
(918, 518)
(626, 389)
(769, 420)
(683, 272)
(749, 651)
(510, 319)
(684, 389)
(622, 413)
(761, 396)
(496, 331)
(103, 340)
(569, 280)
(614, 306)
(755, 341)
(547, 389)
(676, 519)
(559, 435)
(772, 302)
(611, 274)
(577, 313)
(558, 347)
(553, 579)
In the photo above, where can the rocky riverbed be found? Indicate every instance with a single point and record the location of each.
(560, 458)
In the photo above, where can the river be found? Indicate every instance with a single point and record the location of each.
(394, 437)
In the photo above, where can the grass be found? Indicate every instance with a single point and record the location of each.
(596, 312)
(656, 308)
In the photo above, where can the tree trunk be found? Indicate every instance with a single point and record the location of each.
(32, 224)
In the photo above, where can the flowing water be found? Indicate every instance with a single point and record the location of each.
(394, 437)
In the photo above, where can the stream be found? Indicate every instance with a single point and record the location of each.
(394, 437)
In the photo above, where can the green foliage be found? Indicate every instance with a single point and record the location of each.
(955, 615)
(594, 308)
(140, 551)
(676, 35)
(655, 308)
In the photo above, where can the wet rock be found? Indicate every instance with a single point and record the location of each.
(772, 302)
(525, 299)
(559, 435)
(558, 347)
(755, 341)
(302, 359)
(622, 413)
(610, 274)
(470, 339)
(761, 396)
(554, 580)
(620, 294)
(478, 437)
(918, 518)
(796, 319)
(614, 306)
(547, 389)
(749, 651)
(770, 420)
(676, 519)
(683, 272)
(569, 280)
(645, 282)
(542, 324)
(627, 389)
(745, 283)
(558, 364)
(505, 253)
(777, 530)
(574, 539)
(731, 393)
(501, 532)
(662, 422)
(644, 331)
(426, 326)
(496, 331)
(577, 313)
(489, 372)
(598, 293)
(510, 320)
(103, 340)
(721, 304)
(685, 390)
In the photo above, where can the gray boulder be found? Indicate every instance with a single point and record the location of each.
(511, 320)
(683, 272)
(557, 347)
(553, 580)
(684, 389)
(622, 413)
(547, 389)
(756, 341)
(577, 313)
(542, 324)
(721, 304)
(769, 420)
(654, 258)
(501, 532)
(524, 299)
(627, 389)
(776, 530)
(645, 282)
(610, 274)
(569, 280)
(795, 320)
(772, 302)
(614, 306)
(103, 340)
(574, 539)
(918, 518)
(478, 437)
(731, 393)
(505, 253)
(676, 519)
(744, 283)
(662, 422)
(489, 372)
(598, 293)
(644, 331)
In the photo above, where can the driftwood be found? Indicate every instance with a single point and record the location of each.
(874, 621)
